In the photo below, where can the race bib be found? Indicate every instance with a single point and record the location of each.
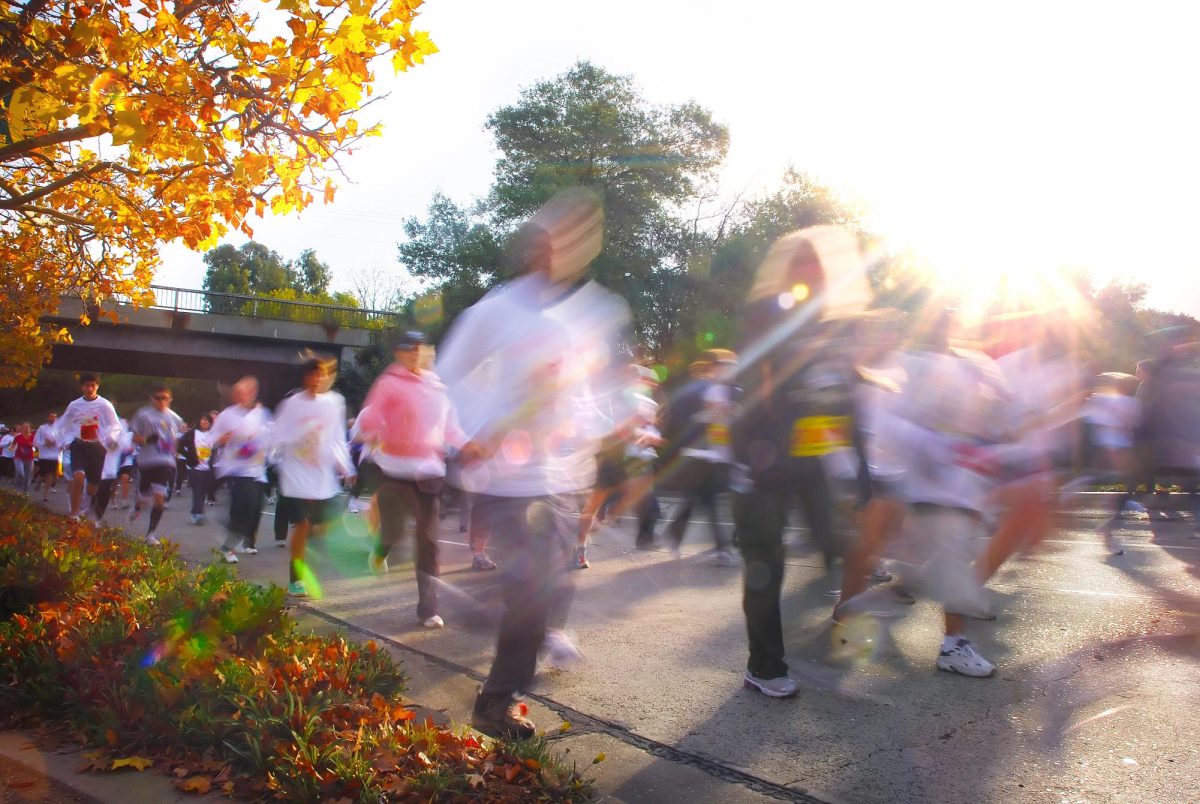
(203, 453)
(718, 435)
(814, 436)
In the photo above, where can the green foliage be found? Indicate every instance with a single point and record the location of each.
(255, 270)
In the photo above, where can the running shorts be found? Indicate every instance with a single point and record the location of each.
(315, 512)
(156, 479)
(88, 457)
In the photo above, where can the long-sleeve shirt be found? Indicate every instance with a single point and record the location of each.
(160, 431)
(409, 419)
(46, 441)
(89, 420)
(511, 373)
(309, 437)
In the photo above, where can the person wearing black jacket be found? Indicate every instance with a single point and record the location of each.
(196, 452)
(797, 405)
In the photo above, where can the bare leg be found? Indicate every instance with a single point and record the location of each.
(76, 493)
(300, 531)
(877, 521)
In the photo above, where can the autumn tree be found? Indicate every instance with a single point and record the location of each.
(133, 124)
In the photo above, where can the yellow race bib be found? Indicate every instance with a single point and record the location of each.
(717, 434)
(814, 436)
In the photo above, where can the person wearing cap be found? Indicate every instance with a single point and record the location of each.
(408, 422)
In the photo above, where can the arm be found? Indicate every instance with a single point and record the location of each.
(341, 450)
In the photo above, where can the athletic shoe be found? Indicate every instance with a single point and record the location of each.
(296, 589)
(281, 543)
(880, 575)
(212, 502)
(482, 562)
(197, 519)
(782, 687)
(247, 551)
(579, 560)
(377, 564)
(152, 540)
(561, 652)
(433, 622)
(502, 718)
(963, 659)
(229, 557)
(54, 491)
(352, 508)
(725, 558)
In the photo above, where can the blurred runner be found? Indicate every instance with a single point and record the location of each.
(242, 436)
(310, 438)
(196, 451)
(49, 456)
(156, 430)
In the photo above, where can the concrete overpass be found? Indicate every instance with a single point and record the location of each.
(212, 336)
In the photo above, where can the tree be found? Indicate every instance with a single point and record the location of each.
(132, 125)
(590, 128)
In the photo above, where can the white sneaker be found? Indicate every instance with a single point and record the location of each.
(248, 551)
(152, 540)
(229, 557)
(963, 659)
(561, 652)
(434, 622)
(782, 687)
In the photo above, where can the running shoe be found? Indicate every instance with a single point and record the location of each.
(152, 540)
(561, 652)
(502, 718)
(197, 519)
(377, 564)
(433, 622)
(782, 687)
(248, 550)
(963, 659)
(880, 575)
(281, 543)
(482, 562)
(296, 589)
(579, 561)
(229, 557)
(725, 558)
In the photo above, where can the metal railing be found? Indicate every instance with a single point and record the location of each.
(187, 300)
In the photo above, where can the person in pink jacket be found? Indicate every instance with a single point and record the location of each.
(408, 420)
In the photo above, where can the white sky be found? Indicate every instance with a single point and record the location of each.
(991, 136)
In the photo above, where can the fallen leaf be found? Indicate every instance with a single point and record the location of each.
(137, 763)
(227, 788)
(197, 784)
(565, 727)
(111, 736)
(599, 758)
(533, 764)
(21, 784)
(475, 780)
(510, 772)
(181, 772)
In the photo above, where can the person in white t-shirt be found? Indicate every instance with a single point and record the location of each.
(49, 456)
(310, 440)
(196, 450)
(242, 436)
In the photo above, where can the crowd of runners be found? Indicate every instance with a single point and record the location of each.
(923, 450)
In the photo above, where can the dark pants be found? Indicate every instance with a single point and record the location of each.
(102, 497)
(532, 539)
(202, 483)
(700, 482)
(760, 517)
(245, 510)
(283, 517)
(402, 502)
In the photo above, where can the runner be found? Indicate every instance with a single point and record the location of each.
(310, 438)
(155, 429)
(91, 427)
(509, 349)
(111, 472)
(697, 424)
(409, 423)
(49, 456)
(196, 451)
(242, 436)
(798, 406)
(24, 453)
(8, 448)
(126, 471)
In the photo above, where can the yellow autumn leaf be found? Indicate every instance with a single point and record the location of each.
(137, 763)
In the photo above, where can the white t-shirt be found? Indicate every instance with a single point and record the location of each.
(1114, 416)
(245, 453)
(8, 447)
(204, 449)
(113, 455)
(310, 441)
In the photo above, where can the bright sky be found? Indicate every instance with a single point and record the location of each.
(991, 137)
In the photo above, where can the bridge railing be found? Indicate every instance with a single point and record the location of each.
(188, 300)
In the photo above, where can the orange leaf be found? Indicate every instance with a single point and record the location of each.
(199, 785)
(137, 763)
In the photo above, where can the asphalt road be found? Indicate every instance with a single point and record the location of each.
(1095, 698)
